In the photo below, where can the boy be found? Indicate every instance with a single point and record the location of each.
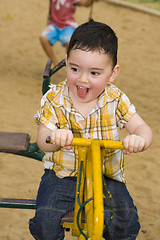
(87, 105)
(61, 25)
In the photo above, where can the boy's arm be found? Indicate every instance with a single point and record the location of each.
(140, 137)
(59, 137)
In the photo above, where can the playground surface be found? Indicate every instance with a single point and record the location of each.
(22, 62)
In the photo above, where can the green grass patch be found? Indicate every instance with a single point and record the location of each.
(154, 4)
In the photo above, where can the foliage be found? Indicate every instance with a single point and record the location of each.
(155, 4)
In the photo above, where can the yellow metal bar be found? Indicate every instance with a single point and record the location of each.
(83, 142)
(81, 157)
(81, 237)
(103, 143)
(98, 218)
(68, 225)
(111, 144)
(89, 194)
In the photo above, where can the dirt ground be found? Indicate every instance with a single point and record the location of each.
(22, 62)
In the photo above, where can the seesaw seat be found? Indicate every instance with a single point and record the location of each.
(11, 142)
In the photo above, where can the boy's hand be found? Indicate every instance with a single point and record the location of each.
(62, 138)
(133, 144)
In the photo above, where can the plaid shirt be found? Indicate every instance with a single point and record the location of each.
(112, 110)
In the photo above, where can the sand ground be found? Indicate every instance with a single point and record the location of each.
(22, 63)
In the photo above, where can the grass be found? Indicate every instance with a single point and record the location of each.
(154, 4)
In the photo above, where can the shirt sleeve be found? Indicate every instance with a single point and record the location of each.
(46, 114)
(125, 110)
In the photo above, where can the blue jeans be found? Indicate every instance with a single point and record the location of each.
(56, 196)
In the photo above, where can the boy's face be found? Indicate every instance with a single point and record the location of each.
(88, 74)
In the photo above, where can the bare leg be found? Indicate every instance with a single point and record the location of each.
(48, 49)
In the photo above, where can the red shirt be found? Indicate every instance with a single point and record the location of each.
(62, 13)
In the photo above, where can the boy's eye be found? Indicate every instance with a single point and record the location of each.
(74, 69)
(95, 73)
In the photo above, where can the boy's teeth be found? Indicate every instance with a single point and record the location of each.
(82, 91)
(81, 87)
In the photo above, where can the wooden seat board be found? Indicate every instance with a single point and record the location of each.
(13, 142)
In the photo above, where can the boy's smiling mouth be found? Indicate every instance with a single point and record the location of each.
(82, 91)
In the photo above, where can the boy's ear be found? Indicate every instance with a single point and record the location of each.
(114, 74)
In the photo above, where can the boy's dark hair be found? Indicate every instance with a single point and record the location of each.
(95, 36)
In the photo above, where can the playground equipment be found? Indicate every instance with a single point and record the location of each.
(89, 188)
(89, 191)
(85, 224)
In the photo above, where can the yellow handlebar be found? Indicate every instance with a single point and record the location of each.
(83, 142)
(103, 143)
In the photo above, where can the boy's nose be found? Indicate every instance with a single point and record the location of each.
(83, 78)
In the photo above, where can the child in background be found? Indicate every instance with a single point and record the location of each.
(61, 25)
(87, 105)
